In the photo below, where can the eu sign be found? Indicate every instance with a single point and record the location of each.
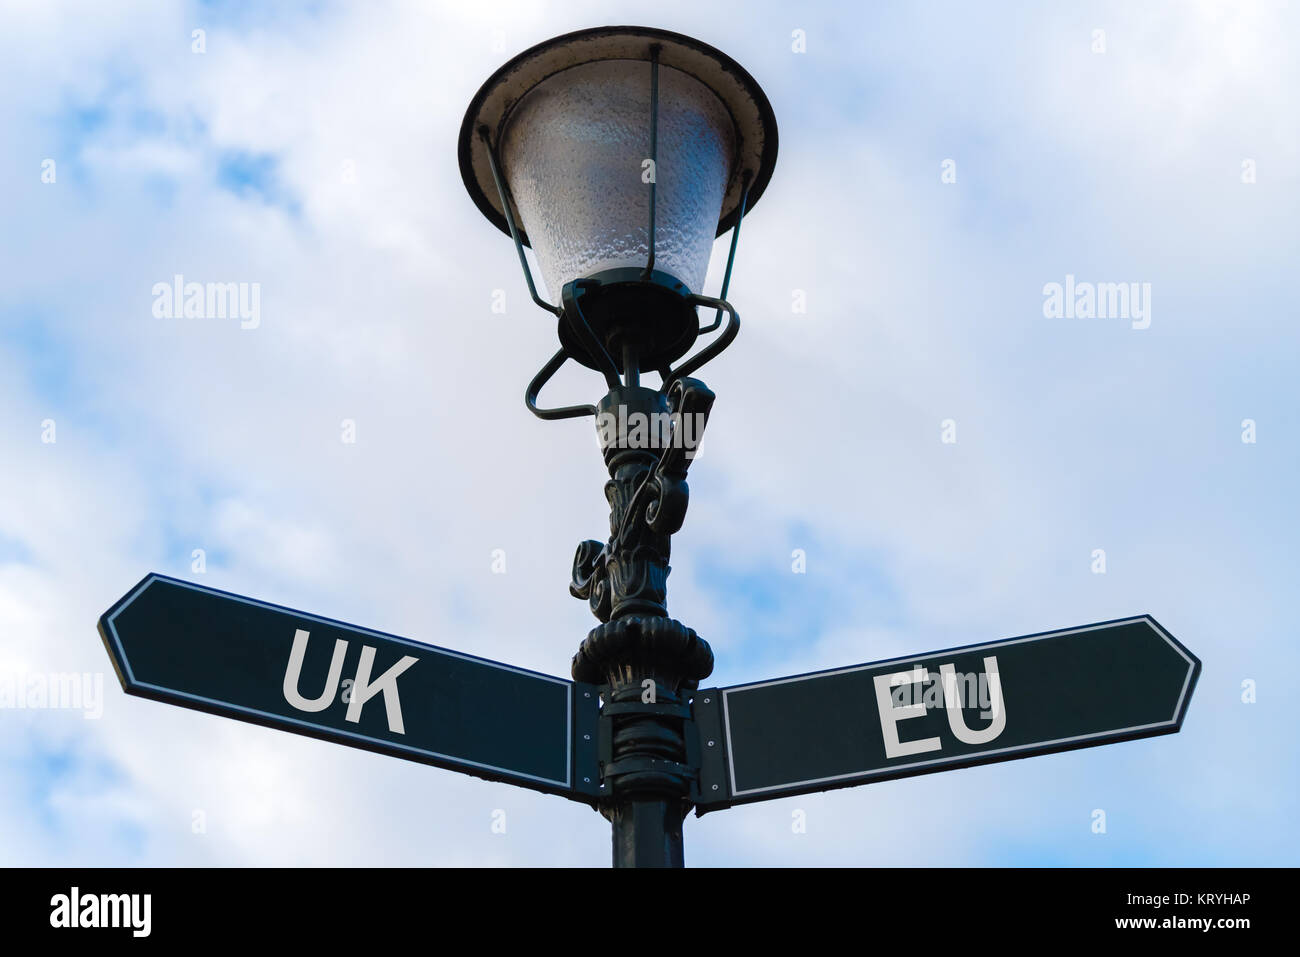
(201, 648)
(973, 705)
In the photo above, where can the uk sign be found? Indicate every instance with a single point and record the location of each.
(1007, 699)
(200, 648)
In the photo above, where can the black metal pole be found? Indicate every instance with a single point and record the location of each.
(648, 662)
(648, 834)
(631, 364)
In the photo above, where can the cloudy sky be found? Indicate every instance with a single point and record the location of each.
(312, 150)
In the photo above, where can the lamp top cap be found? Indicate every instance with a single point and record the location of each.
(491, 106)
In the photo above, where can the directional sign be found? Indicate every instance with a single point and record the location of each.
(246, 659)
(1008, 699)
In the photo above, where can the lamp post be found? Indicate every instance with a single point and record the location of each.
(618, 154)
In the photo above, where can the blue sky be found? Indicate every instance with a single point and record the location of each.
(312, 150)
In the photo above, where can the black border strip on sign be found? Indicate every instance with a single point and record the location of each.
(772, 792)
(132, 686)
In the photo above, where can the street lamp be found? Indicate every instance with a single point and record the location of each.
(618, 154)
(623, 152)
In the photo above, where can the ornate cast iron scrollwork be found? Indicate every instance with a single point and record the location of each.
(624, 581)
(647, 494)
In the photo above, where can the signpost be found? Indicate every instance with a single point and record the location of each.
(210, 650)
(206, 649)
(632, 735)
(1008, 699)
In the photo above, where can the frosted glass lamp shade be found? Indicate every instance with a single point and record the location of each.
(575, 153)
(569, 122)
